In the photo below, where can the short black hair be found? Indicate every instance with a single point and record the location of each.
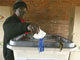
(19, 4)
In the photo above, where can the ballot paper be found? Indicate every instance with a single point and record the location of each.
(40, 35)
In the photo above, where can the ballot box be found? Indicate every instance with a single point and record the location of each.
(25, 47)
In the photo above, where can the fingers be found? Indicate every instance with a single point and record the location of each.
(34, 28)
(38, 30)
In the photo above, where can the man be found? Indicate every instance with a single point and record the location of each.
(14, 26)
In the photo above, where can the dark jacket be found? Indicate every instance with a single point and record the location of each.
(12, 27)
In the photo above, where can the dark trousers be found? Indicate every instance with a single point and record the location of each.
(8, 54)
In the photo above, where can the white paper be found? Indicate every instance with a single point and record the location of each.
(40, 35)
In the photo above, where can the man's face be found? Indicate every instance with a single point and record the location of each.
(21, 11)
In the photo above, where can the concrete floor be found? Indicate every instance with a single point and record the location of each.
(1, 53)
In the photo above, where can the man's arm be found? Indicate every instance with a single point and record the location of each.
(15, 29)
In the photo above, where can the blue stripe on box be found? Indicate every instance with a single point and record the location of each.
(41, 45)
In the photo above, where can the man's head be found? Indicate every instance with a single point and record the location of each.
(20, 8)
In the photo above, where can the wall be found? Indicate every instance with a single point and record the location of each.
(76, 30)
(5, 12)
(76, 35)
(53, 16)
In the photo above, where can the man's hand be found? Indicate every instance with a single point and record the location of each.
(34, 28)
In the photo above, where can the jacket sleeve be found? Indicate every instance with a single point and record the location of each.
(14, 29)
